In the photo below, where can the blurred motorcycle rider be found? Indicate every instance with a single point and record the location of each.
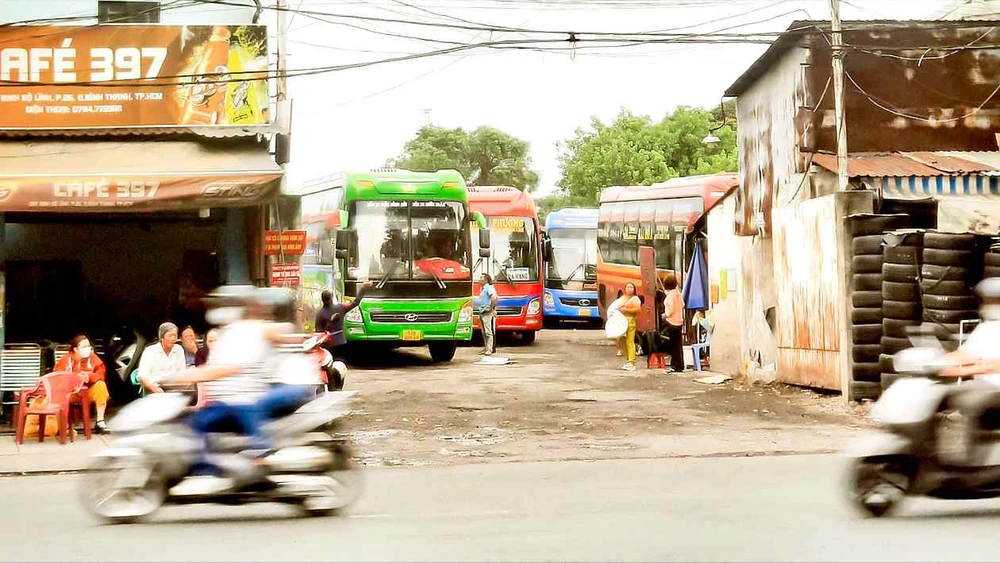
(979, 355)
(236, 378)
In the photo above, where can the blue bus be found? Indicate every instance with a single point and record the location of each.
(571, 265)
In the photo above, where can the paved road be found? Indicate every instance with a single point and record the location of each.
(777, 508)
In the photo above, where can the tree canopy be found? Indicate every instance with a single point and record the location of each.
(635, 150)
(486, 156)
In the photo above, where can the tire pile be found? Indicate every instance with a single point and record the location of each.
(948, 279)
(991, 260)
(901, 305)
(867, 264)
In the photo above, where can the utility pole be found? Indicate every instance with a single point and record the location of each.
(837, 52)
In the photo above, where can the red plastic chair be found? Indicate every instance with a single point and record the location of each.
(59, 388)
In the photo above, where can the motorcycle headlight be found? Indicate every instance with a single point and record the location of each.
(354, 316)
(534, 307)
(465, 315)
(549, 301)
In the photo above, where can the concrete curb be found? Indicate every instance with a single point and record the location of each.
(713, 455)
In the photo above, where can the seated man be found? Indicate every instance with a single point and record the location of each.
(161, 359)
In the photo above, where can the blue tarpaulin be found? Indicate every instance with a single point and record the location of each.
(695, 292)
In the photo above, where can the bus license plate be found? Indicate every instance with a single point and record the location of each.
(411, 335)
(584, 312)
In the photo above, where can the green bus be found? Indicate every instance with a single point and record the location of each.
(409, 234)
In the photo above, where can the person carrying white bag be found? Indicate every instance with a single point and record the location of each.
(617, 325)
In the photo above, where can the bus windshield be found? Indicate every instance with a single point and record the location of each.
(514, 250)
(402, 240)
(574, 255)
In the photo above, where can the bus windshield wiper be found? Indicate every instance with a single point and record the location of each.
(573, 273)
(501, 270)
(392, 270)
(437, 278)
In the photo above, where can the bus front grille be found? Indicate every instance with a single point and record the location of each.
(409, 317)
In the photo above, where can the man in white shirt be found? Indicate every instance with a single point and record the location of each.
(161, 359)
(979, 355)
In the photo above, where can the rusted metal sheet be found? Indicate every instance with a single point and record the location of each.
(768, 142)
(809, 368)
(903, 164)
(810, 297)
(912, 86)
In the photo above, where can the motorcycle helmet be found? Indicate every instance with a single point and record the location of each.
(227, 304)
(988, 292)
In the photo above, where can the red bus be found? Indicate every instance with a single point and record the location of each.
(659, 217)
(516, 258)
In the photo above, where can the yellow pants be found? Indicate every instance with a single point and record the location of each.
(99, 393)
(630, 341)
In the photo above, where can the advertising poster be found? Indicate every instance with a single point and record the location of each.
(72, 77)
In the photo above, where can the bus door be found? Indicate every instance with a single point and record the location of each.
(647, 274)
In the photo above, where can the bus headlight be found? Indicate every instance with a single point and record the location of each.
(534, 307)
(549, 301)
(465, 315)
(354, 316)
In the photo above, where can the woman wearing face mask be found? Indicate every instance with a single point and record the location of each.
(81, 359)
(210, 338)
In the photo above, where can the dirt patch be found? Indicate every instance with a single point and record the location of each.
(564, 398)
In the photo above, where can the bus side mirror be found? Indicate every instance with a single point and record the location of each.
(345, 238)
(484, 252)
(484, 239)
(547, 249)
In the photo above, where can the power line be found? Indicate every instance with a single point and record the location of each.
(885, 106)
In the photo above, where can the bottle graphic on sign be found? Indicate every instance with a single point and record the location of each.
(206, 94)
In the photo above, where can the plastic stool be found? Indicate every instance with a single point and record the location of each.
(696, 351)
(656, 360)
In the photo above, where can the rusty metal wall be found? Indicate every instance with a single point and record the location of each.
(768, 141)
(810, 293)
(901, 70)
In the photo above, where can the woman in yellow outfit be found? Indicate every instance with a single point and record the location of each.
(630, 307)
(81, 359)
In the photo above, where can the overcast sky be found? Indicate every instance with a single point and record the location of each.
(357, 119)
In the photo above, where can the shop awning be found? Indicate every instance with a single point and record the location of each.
(965, 204)
(134, 175)
(923, 187)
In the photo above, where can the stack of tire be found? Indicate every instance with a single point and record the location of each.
(991, 261)
(866, 301)
(901, 305)
(952, 266)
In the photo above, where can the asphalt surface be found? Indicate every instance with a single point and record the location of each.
(732, 509)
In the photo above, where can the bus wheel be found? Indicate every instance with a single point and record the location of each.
(528, 337)
(442, 351)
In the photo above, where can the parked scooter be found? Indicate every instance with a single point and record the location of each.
(933, 440)
(154, 449)
(332, 372)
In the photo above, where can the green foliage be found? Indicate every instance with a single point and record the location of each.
(634, 150)
(485, 157)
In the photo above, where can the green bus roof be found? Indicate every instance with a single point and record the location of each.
(445, 185)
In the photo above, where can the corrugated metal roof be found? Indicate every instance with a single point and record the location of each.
(902, 164)
(802, 28)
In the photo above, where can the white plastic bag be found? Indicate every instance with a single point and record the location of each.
(617, 324)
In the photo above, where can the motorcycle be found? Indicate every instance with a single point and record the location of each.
(154, 449)
(937, 437)
(332, 372)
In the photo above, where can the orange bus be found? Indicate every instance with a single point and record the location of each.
(659, 217)
(516, 259)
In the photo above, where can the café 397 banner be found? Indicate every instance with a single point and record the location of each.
(70, 77)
